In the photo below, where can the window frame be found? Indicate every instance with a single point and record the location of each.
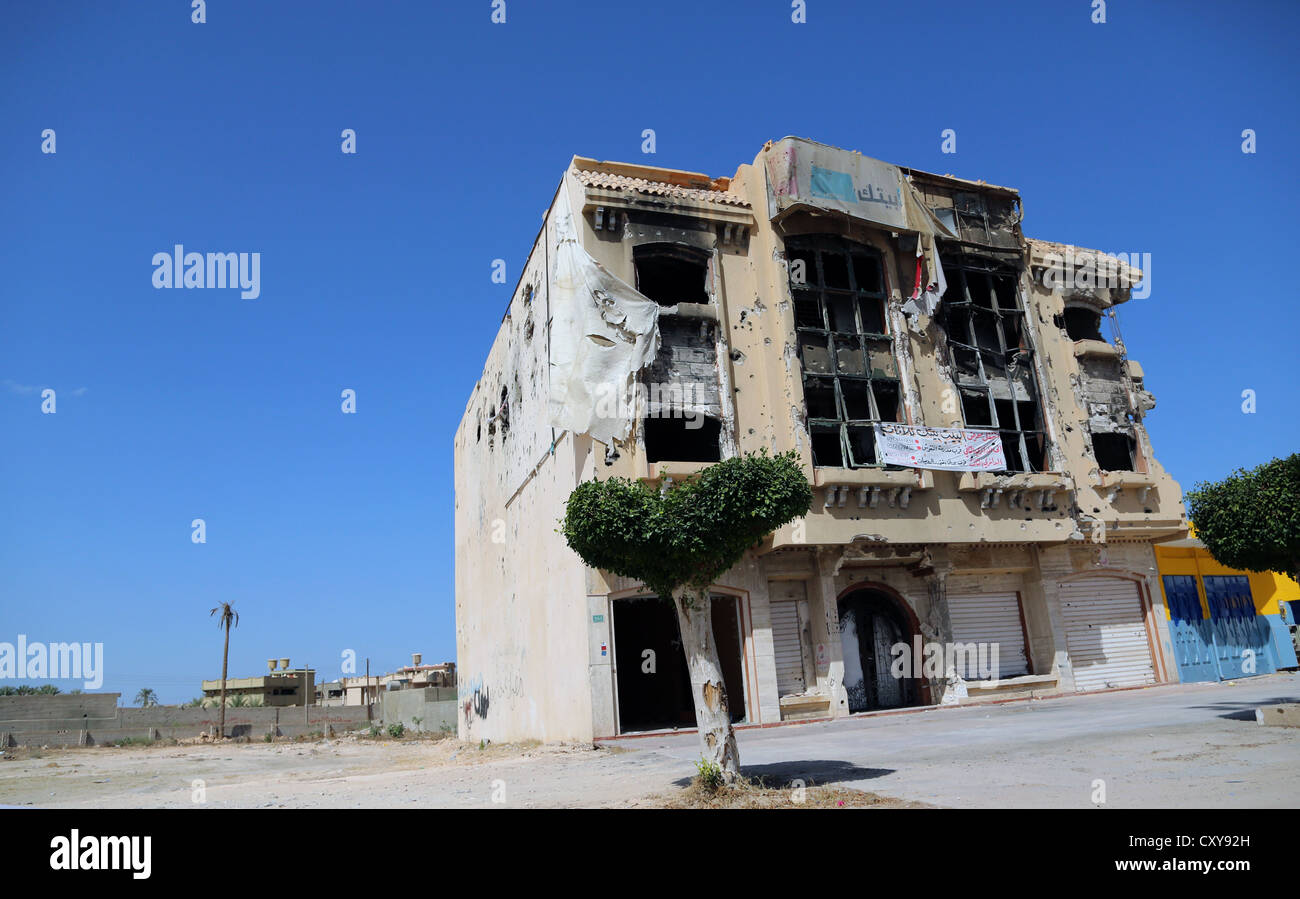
(856, 434)
(959, 270)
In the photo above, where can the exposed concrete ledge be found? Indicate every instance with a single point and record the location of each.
(1019, 487)
(1127, 479)
(916, 478)
(1013, 682)
(970, 481)
(1027, 687)
(1094, 348)
(1112, 482)
(705, 311)
(805, 705)
(675, 470)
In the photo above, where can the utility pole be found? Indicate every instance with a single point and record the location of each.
(306, 701)
(366, 690)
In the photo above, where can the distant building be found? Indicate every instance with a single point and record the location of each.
(416, 675)
(331, 693)
(362, 690)
(281, 686)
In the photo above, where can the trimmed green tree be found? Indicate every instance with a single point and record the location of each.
(678, 542)
(1251, 519)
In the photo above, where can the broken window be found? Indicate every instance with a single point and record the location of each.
(1082, 323)
(992, 362)
(850, 376)
(686, 427)
(1114, 451)
(688, 439)
(672, 273)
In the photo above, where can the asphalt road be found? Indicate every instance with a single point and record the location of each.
(1193, 746)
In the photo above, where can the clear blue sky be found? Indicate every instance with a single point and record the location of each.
(330, 531)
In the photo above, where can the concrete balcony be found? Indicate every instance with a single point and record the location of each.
(1039, 488)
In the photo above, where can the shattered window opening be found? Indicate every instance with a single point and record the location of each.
(850, 376)
(685, 439)
(672, 273)
(1083, 323)
(1114, 451)
(992, 361)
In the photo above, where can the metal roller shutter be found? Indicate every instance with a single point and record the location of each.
(990, 618)
(1106, 633)
(785, 642)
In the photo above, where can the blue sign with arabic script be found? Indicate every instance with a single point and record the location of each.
(832, 185)
(803, 172)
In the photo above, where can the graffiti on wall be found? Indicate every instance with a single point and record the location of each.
(475, 701)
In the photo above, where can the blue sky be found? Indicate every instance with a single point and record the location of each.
(331, 532)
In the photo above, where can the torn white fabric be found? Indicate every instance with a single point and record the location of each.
(603, 331)
(930, 281)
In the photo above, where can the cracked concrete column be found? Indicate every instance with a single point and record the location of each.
(936, 620)
(825, 627)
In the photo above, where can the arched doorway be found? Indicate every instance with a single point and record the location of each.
(871, 623)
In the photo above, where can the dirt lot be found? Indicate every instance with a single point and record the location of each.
(339, 773)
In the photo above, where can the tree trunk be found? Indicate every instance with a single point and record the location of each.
(221, 716)
(712, 714)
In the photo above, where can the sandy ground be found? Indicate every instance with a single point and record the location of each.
(339, 773)
(1194, 746)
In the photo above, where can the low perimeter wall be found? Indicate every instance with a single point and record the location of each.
(94, 718)
(434, 706)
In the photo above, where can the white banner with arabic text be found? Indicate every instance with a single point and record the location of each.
(947, 449)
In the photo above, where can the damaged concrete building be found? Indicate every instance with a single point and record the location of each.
(850, 310)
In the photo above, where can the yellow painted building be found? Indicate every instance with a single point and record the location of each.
(1190, 557)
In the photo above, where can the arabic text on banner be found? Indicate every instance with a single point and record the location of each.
(947, 449)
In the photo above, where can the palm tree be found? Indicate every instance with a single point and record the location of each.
(146, 698)
(227, 619)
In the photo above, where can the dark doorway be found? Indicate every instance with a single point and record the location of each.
(658, 696)
(871, 623)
